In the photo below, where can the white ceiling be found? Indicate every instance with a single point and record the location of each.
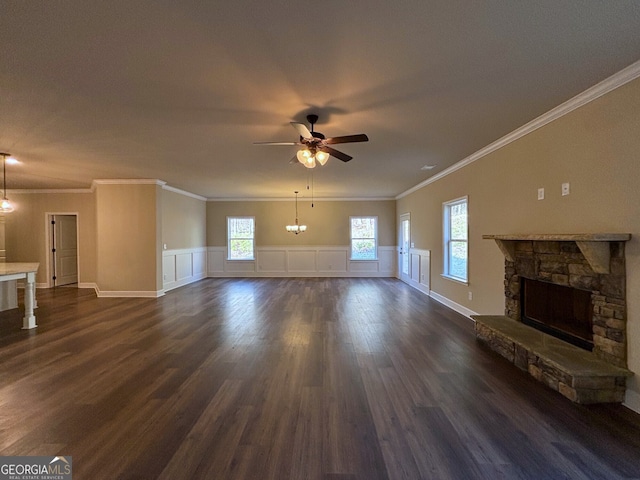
(180, 90)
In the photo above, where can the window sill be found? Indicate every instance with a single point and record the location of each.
(455, 279)
(363, 259)
(241, 259)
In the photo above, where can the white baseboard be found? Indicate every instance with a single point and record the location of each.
(129, 294)
(461, 309)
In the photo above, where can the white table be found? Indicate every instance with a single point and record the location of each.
(16, 271)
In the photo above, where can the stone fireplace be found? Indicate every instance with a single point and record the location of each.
(570, 288)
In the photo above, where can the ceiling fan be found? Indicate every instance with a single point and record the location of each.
(317, 147)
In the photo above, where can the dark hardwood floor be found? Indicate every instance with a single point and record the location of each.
(337, 379)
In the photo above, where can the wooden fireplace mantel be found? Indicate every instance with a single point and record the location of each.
(594, 246)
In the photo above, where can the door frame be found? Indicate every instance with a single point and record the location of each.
(49, 268)
(401, 254)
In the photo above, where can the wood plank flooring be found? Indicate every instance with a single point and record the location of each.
(330, 379)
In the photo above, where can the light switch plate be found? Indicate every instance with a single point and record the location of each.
(565, 189)
(541, 194)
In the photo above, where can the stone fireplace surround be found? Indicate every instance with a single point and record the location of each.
(593, 262)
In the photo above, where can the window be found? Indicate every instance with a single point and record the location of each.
(240, 238)
(364, 238)
(456, 230)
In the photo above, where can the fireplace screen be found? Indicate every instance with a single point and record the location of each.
(563, 312)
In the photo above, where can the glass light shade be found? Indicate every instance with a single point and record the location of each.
(322, 157)
(306, 158)
(5, 206)
(296, 228)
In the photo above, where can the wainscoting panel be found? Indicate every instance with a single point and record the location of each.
(363, 266)
(183, 266)
(420, 269)
(387, 258)
(330, 261)
(168, 269)
(307, 261)
(199, 259)
(215, 259)
(301, 261)
(240, 266)
(272, 260)
(415, 267)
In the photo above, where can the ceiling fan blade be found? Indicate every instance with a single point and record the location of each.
(294, 160)
(347, 139)
(335, 153)
(302, 129)
(277, 143)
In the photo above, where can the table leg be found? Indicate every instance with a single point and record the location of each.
(29, 320)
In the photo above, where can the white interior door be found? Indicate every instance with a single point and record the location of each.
(404, 256)
(65, 249)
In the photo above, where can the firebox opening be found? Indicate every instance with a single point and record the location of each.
(561, 311)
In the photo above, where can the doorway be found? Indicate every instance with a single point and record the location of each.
(404, 256)
(62, 233)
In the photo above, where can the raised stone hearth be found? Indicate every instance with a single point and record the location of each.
(588, 262)
(574, 372)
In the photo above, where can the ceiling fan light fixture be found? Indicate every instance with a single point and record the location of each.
(316, 146)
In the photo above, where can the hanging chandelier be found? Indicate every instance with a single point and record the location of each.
(5, 204)
(296, 228)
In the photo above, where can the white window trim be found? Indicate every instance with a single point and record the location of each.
(375, 259)
(446, 239)
(252, 259)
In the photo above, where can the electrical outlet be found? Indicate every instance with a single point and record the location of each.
(541, 194)
(565, 189)
(470, 295)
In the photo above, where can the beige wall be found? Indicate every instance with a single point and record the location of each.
(595, 148)
(327, 222)
(129, 229)
(26, 230)
(184, 221)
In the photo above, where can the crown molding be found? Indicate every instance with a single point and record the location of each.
(128, 181)
(183, 192)
(305, 199)
(609, 84)
(51, 190)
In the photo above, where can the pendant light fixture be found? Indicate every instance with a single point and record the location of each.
(5, 204)
(296, 228)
